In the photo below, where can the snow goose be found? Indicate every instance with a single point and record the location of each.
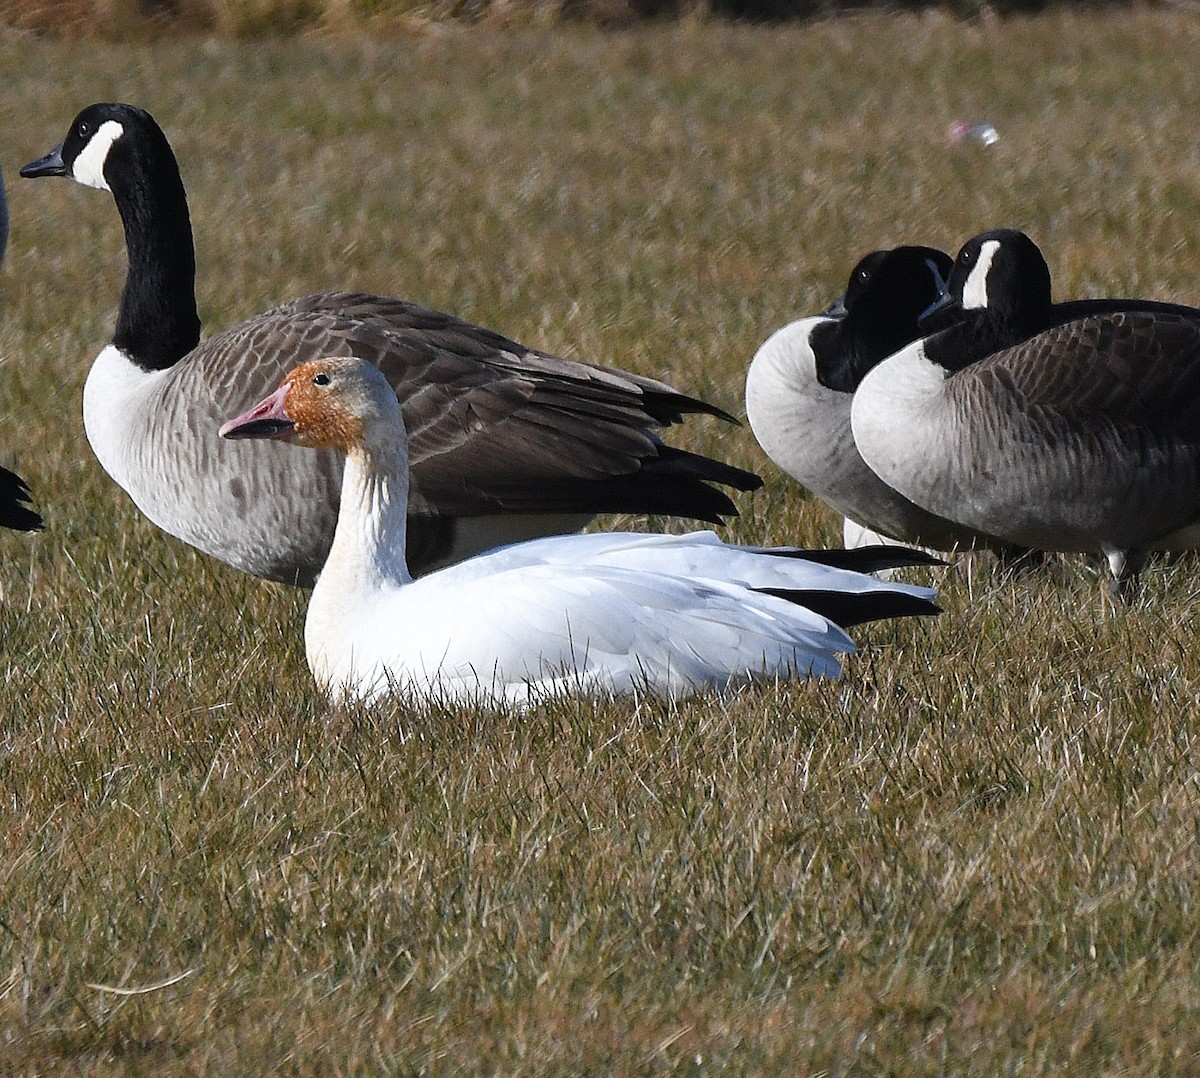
(802, 380)
(608, 613)
(1069, 427)
(507, 442)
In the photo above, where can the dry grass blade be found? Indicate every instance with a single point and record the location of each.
(141, 990)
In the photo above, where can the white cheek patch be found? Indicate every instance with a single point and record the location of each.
(88, 168)
(975, 296)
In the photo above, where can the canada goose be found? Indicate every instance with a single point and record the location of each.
(802, 380)
(1051, 431)
(3, 219)
(508, 442)
(14, 492)
(600, 613)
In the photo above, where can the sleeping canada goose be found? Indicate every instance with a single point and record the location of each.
(802, 380)
(507, 442)
(600, 613)
(1083, 436)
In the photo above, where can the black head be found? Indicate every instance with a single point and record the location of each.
(889, 290)
(859, 277)
(119, 148)
(886, 294)
(100, 137)
(1004, 274)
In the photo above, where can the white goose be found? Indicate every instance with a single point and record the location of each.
(602, 613)
(507, 442)
(1069, 427)
(801, 381)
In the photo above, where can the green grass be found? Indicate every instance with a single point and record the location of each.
(977, 853)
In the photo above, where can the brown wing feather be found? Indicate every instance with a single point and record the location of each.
(660, 401)
(492, 425)
(1124, 370)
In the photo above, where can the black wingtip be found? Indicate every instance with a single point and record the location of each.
(696, 466)
(668, 407)
(672, 483)
(846, 609)
(864, 559)
(14, 511)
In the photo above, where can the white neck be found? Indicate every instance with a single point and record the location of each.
(893, 415)
(368, 549)
(366, 564)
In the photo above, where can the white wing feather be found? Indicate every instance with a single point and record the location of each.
(605, 612)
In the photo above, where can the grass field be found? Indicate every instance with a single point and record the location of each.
(976, 853)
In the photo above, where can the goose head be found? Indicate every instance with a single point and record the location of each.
(859, 276)
(997, 295)
(1004, 274)
(99, 140)
(120, 149)
(887, 293)
(339, 403)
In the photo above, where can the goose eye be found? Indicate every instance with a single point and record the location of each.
(321, 379)
(85, 129)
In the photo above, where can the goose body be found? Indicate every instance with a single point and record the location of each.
(507, 442)
(801, 382)
(602, 613)
(1070, 427)
(3, 219)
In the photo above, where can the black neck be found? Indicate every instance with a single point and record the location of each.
(157, 324)
(847, 350)
(977, 336)
(837, 365)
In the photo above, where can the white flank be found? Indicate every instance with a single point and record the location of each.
(111, 395)
(89, 165)
(793, 416)
(890, 417)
